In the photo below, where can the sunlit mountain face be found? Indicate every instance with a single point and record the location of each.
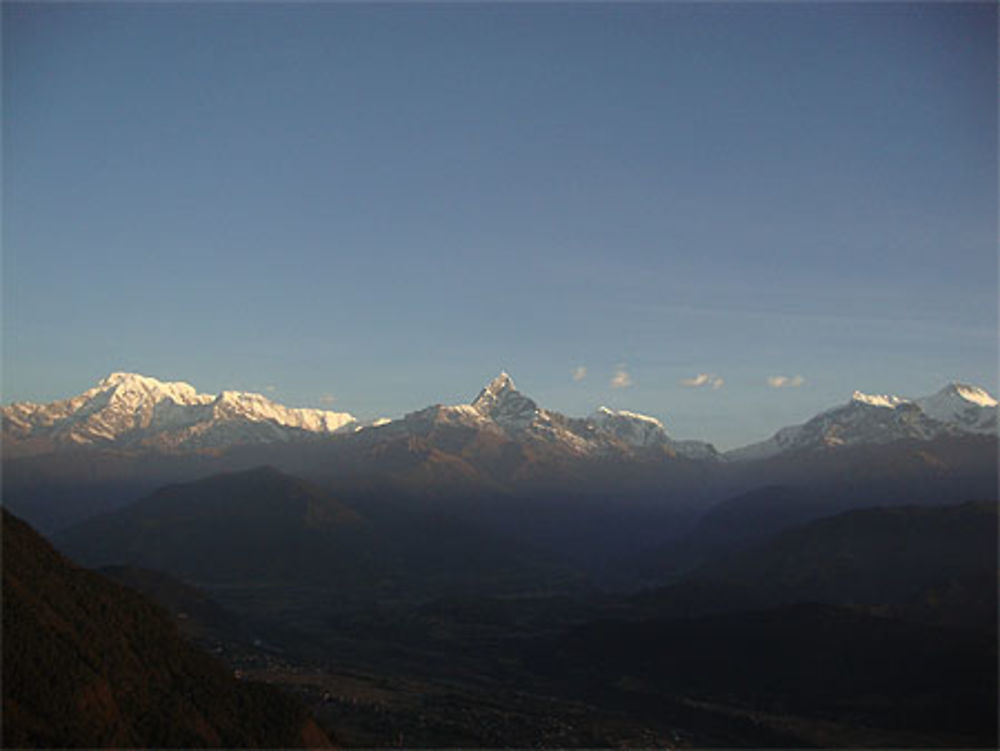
(499, 375)
(136, 413)
(129, 434)
(466, 553)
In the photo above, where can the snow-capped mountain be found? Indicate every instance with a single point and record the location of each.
(503, 412)
(133, 411)
(881, 418)
(630, 427)
(967, 407)
(643, 431)
(501, 402)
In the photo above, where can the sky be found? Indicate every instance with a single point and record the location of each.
(728, 216)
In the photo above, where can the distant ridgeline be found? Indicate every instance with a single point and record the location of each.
(128, 411)
(833, 584)
(593, 487)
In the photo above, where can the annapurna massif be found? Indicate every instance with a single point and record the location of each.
(135, 412)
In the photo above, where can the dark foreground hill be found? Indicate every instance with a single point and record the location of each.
(88, 663)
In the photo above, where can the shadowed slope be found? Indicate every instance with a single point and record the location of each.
(931, 563)
(265, 528)
(88, 663)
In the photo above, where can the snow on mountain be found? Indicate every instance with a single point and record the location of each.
(132, 410)
(643, 431)
(503, 403)
(880, 418)
(503, 411)
(499, 410)
(605, 432)
(128, 410)
(878, 400)
(967, 407)
(632, 428)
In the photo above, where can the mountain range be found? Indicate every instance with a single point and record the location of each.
(132, 412)
(66, 461)
(870, 419)
(499, 544)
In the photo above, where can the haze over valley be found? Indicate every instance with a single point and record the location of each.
(499, 375)
(471, 573)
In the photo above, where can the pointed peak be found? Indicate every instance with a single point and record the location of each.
(500, 385)
(969, 393)
(501, 401)
(502, 382)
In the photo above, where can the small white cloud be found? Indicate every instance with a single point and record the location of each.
(327, 399)
(699, 380)
(704, 379)
(579, 373)
(780, 382)
(621, 379)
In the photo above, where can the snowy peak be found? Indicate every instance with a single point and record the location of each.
(630, 427)
(965, 392)
(136, 383)
(501, 409)
(880, 418)
(132, 410)
(967, 407)
(502, 402)
(642, 431)
(257, 407)
(134, 389)
(604, 413)
(493, 392)
(878, 400)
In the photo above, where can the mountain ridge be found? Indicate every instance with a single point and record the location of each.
(129, 410)
(132, 412)
(882, 418)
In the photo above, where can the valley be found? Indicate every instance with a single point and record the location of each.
(499, 375)
(500, 575)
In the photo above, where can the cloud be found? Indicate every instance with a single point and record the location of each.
(579, 373)
(327, 400)
(780, 382)
(621, 379)
(271, 387)
(704, 379)
(699, 380)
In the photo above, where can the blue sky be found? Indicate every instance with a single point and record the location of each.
(387, 204)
